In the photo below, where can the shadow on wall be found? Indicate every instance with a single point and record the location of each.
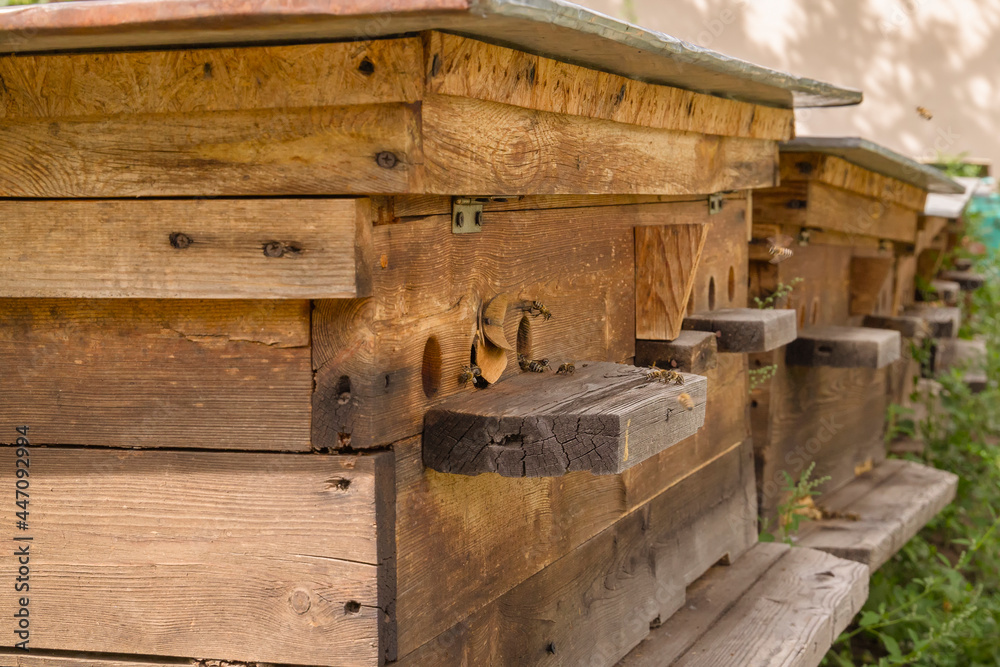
(942, 55)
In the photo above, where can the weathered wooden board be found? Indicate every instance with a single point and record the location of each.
(691, 352)
(746, 330)
(904, 287)
(721, 281)
(37, 658)
(908, 326)
(253, 557)
(872, 285)
(149, 373)
(603, 418)
(844, 211)
(946, 290)
(929, 227)
(508, 529)
(967, 280)
(942, 321)
(179, 249)
(839, 173)
(969, 356)
(430, 283)
(470, 68)
(844, 347)
(776, 606)
(225, 79)
(597, 602)
(666, 260)
(820, 278)
(886, 507)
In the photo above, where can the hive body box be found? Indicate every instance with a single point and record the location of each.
(236, 288)
(853, 212)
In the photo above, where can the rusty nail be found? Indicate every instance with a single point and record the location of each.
(386, 160)
(180, 241)
(274, 249)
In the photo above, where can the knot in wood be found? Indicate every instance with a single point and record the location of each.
(300, 601)
(180, 241)
(386, 160)
(274, 249)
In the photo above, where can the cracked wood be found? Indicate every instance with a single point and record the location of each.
(603, 418)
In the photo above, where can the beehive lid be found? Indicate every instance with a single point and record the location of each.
(881, 160)
(951, 206)
(551, 28)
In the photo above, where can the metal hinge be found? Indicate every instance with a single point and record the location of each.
(714, 203)
(466, 215)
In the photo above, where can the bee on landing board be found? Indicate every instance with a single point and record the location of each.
(532, 365)
(469, 373)
(778, 248)
(924, 113)
(686, 401)
(566, 369)
(665, 376)
(536, 308)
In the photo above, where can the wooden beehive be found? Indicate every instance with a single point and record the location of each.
(850, 212)
(249, 256)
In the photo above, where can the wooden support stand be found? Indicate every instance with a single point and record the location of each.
(947, 290)
(876, 514)
(746, 330)
(776, 605)
(969, 355)
(602, 418)
(967, 280)
(908, 326)
(690, 352)
(844, 347)
(942, 321)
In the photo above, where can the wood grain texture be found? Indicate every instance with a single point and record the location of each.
(666, 260)
(225, 79)
(179, 249)
(475, 146)
(147, 373)
(721, 279)
(38, 658)
(851, 213)
(508, 529)
(746, 330)
(929, 228)
(250, 557)
(470, 68)
(789, 618)
(905, 283)
(844, 347)
(840, 173)
(594, 604)
(691, 352)
(892, 503)
(871, 284)
(327, 150)
(908, 326)
(603, 418)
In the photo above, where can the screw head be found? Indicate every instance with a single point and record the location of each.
(274, 249)
(479, 219)
(180, 241)
(386, 160)
(459, 219)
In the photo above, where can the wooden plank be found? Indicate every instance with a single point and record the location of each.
(721, 280)
(871, 284)
(540, 153)
(967, 280)
(844, 211)
(36, 658)
(746, 330)
(187, 249)
(666, 259)
(292, 540)
(222, 79)
(929, 226)
(839, 173)
(146, 373)
(789, 617)
(844, 347)
(690, 352)
(783, 204)
(884, 509)
(908, 326)
(905, 286)
(942, 321)
(946, 290)
(968, 355)
(450, 525)
(602, 418)
(594, 604)
(293, 151)
(470, 68)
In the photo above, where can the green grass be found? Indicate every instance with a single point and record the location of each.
(937, 602)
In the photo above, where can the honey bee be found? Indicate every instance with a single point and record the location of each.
(536, 308)
(686, 401)
(924, 113)
(779, 248)
(469, 373)
(566, 369)
(665, 376)
(532, 365)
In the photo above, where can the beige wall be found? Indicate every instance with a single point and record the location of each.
(943, 55)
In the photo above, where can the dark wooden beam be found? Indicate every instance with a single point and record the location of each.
(844, 347)
(942, 321)
(967, 280)
(690, 352)
(909, 326)
(746, 330)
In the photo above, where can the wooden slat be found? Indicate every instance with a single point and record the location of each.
(603, 418)
(146, 373)
(721, 280)
(507, 530)
(594, 604)
(886, 508)
(840, 173)
(472, 146)
(690, 352)
(251, 557)
(37, 658)
(905, 283)
(180, 249)
(470, 68)
(929, 227)
(746, 330)
(224, 79)
(871, 285)
(788, 617)
(908, 326)
(844, 347)
(844, 211)
(666, 260)
(942, 321)
(967, 280)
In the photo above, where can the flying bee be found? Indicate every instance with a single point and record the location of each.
(686, 401)
(469, 373)
(566, 369)
(778, 248)
(924, 113)
(536, 308)
(665, 376)
(532, 365)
